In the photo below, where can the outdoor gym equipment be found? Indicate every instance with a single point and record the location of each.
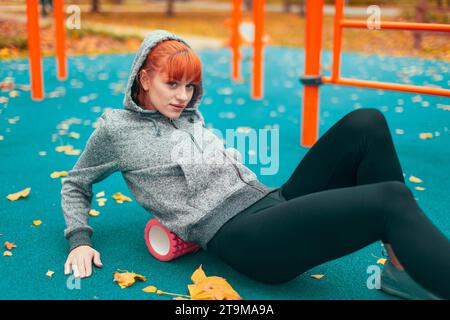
(313, 46)
(34, 49)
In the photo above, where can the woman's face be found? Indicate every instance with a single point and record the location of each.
(168, 97)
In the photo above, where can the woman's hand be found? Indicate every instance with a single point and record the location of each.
(80, 261)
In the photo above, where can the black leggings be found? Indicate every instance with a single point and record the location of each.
(347, 192)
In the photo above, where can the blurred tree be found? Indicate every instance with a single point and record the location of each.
(287, 6)
(248, 5)
(421, 14)
(170, 8)
(95, 8)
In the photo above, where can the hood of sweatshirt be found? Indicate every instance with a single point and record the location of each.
(150, 41)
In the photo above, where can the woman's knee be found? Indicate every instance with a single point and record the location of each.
(397, 198)
(367, 121)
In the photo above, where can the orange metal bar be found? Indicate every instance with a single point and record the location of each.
(398, 25)
(337, 38)
(312, 61)
(34, 50)
(60, 36)
(387, 86)
(258, 59)
(313, 46)
(235, 42)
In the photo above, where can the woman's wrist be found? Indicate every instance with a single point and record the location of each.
(80, 238)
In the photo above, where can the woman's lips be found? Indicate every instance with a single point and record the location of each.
(178, 107)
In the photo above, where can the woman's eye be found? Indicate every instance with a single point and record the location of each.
(172, 84)
(191, 86)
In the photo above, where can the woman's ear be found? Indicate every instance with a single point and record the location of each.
(144, 79)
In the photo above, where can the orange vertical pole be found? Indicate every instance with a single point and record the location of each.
(258, 55)
(337, 39)
(34, 51)
(236, 15)
(313, 45)
(60, 36)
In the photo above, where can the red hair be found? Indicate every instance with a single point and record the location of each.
(173, 59)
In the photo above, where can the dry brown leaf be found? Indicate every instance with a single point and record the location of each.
(120, 198)
(210, 288)
(93, 213)
(7, 253)
(50, 273)
(317, 276)
(21, 194)
(10, 245)
(415, 179)
(126, 279)
(425, 135)
(381, 261)
(100, 194)
(58, 174)
(74, 135)
(150, 289)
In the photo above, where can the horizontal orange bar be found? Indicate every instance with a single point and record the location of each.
(398, 25)
(387, 86)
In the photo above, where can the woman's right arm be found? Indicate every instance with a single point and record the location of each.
(97, 162)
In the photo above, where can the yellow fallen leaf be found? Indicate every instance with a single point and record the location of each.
(150, 289)
(101, 201)
(317, 276)
(381, 261)
(73, 152)
(57, 174)
(49, 273)
(153, 289)
(119, 197)
(415, 179)
(64, 148)
(74, 135)
(69, 150)
(420, 188)
(10, 245)
(37, 222)
(425, 135)
(100, 194)
(126, 279)
(21, 194)
(14, 94)
(93, 213)
(7, 253)
(210, 288)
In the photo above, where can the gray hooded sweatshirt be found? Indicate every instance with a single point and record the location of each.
(176, 169)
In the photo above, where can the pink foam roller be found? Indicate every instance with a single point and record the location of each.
(165, 245)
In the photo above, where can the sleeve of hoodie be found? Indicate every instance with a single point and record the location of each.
(96, 163)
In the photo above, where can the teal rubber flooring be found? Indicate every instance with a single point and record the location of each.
(30, 132)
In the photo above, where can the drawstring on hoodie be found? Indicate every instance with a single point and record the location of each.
(155, 124)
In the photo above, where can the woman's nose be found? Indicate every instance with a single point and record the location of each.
(182, 94)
